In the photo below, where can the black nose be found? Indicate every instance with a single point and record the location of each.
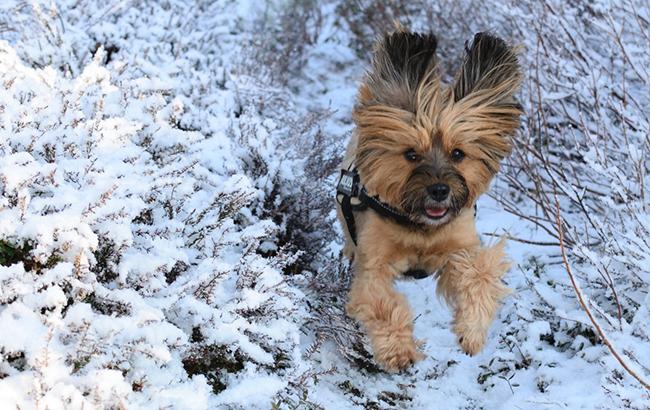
(439, 192)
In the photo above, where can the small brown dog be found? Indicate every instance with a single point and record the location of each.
(421, 155)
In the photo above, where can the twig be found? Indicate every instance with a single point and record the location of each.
(584, 305)
(526, 241)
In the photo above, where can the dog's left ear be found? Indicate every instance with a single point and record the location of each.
(490, 73)
(484, 107)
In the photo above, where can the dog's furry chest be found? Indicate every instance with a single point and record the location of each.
(405, 249)
(417, 265)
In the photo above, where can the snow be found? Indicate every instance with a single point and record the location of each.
(167, 233)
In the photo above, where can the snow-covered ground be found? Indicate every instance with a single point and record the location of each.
(167, 233)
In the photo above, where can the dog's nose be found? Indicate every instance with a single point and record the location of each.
(439, 192)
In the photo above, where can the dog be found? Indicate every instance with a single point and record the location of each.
(421, 154)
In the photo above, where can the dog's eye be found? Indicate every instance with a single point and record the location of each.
(411, 155)
(457, 155)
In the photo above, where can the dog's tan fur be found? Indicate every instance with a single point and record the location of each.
(405, 107)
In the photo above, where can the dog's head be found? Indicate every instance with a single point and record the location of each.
(427, 149)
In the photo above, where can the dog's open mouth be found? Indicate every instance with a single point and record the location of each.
(436, 213)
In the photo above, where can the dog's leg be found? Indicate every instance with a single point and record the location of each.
(385, 314)
(471, 284)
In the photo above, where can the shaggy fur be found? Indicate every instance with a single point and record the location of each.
(415, 137)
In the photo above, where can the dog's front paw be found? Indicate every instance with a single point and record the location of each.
(471, 340)
(395, 351)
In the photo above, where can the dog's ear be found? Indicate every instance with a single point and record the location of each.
(400, 62)
(490, 69)
(484, 109)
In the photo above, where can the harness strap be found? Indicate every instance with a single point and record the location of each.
(347, 188)
(386, 211)
(417, 273)
(346, 209)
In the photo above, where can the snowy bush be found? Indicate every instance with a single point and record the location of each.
(138, 268)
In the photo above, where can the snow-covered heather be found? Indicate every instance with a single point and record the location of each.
(141, 269)
(167, 234)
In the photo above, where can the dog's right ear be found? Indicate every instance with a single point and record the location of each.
(400, 62)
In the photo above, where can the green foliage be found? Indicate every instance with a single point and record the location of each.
(214, 362)
(107, 257)
(11, 254)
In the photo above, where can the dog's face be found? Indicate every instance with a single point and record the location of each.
(430, 150)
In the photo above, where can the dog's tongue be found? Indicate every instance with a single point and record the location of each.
(436, 212)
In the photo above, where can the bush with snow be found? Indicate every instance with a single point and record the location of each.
(139, 267)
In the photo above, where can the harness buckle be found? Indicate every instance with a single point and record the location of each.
(348, 183)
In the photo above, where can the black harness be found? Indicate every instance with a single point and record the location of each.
(350, 187)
